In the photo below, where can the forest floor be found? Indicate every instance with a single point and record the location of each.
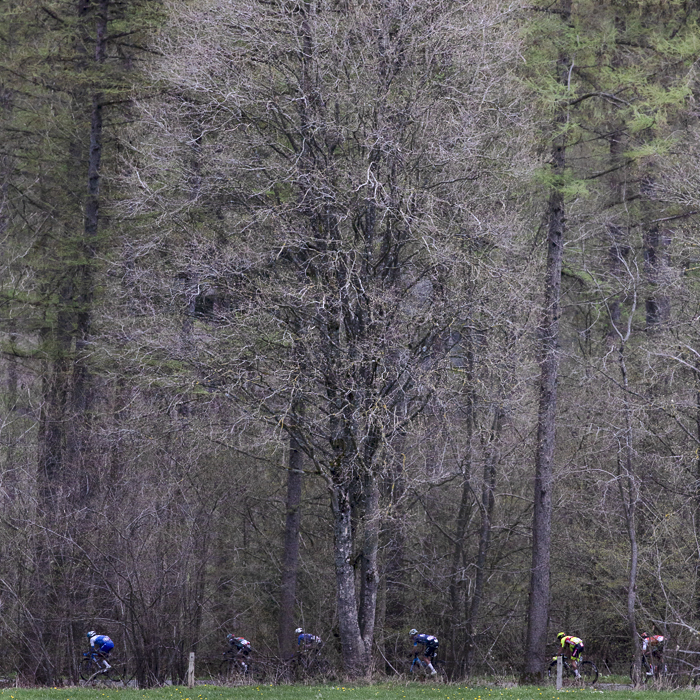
(385, 691)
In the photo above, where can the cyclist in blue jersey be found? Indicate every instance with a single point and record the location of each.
(101, 645)
(306, 640)
(429, 644)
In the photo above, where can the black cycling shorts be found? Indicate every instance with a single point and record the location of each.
(430, 651)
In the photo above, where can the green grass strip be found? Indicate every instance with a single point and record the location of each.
(385, 691)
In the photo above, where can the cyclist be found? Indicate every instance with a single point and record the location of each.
(242, 648)
(306, 640)
(429, 644)
(571, 647)
(101, 645)
(652, 647)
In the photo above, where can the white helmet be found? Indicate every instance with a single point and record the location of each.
(91, 634)
(298, 630)
(412, 632)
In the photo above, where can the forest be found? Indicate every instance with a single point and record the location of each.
(350, 315)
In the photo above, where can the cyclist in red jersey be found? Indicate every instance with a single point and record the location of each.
(652, 648)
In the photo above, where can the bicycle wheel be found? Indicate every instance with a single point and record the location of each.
(322, 669)
(299, 668)
(567, 673)
(115, 674)
(640, 676)
(228, 669)
(87, 668)
(589, 672)
(232, 669)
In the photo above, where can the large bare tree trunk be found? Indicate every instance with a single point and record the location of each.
(78, 444)
(459, 647)
(697, 484)
(629, 495)
(369, 573)
(487, 505)
(538, 604)
(353, 647)
(290, 558)
(657, 305)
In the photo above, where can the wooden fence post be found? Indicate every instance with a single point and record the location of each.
(560, 669)
(190, 671)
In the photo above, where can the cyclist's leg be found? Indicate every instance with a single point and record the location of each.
(430, 653)
(576, 656)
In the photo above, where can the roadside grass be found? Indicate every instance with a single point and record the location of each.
(383, 691)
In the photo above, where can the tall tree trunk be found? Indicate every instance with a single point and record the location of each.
(81, 392)
(290, 558)
(459, 647)
(353, 647)
(697, 485)
(538, 604)
(369, 573)
(629, 495)
(487, 506)
(657, 306)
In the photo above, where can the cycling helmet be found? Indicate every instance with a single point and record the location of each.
(298, 630)
(91, 634)
(412, 632)
(229, 638)
(644, 635)
(561, 634)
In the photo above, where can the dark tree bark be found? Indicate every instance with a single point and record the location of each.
(369, 572)
(353, 646)
(460, 641)
(657, 304)
(78, 446)
(548, 332)
(487, 506)
(290, 557)
(538, 604)
(629, 496)
(696, 509)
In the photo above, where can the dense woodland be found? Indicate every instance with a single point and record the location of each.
(356, 315)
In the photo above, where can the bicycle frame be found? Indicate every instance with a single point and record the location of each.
(99, 660)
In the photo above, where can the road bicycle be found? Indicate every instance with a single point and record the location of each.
(648, 671)
(587, 670)
(419, 669)
(235, 667)
(94, 668)
(308, 663)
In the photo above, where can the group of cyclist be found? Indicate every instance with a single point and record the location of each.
(572, 648)
(241, 646)
(425, 647)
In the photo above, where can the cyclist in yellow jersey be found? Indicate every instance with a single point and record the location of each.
(571, 647)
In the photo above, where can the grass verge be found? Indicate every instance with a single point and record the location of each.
(385, 691)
